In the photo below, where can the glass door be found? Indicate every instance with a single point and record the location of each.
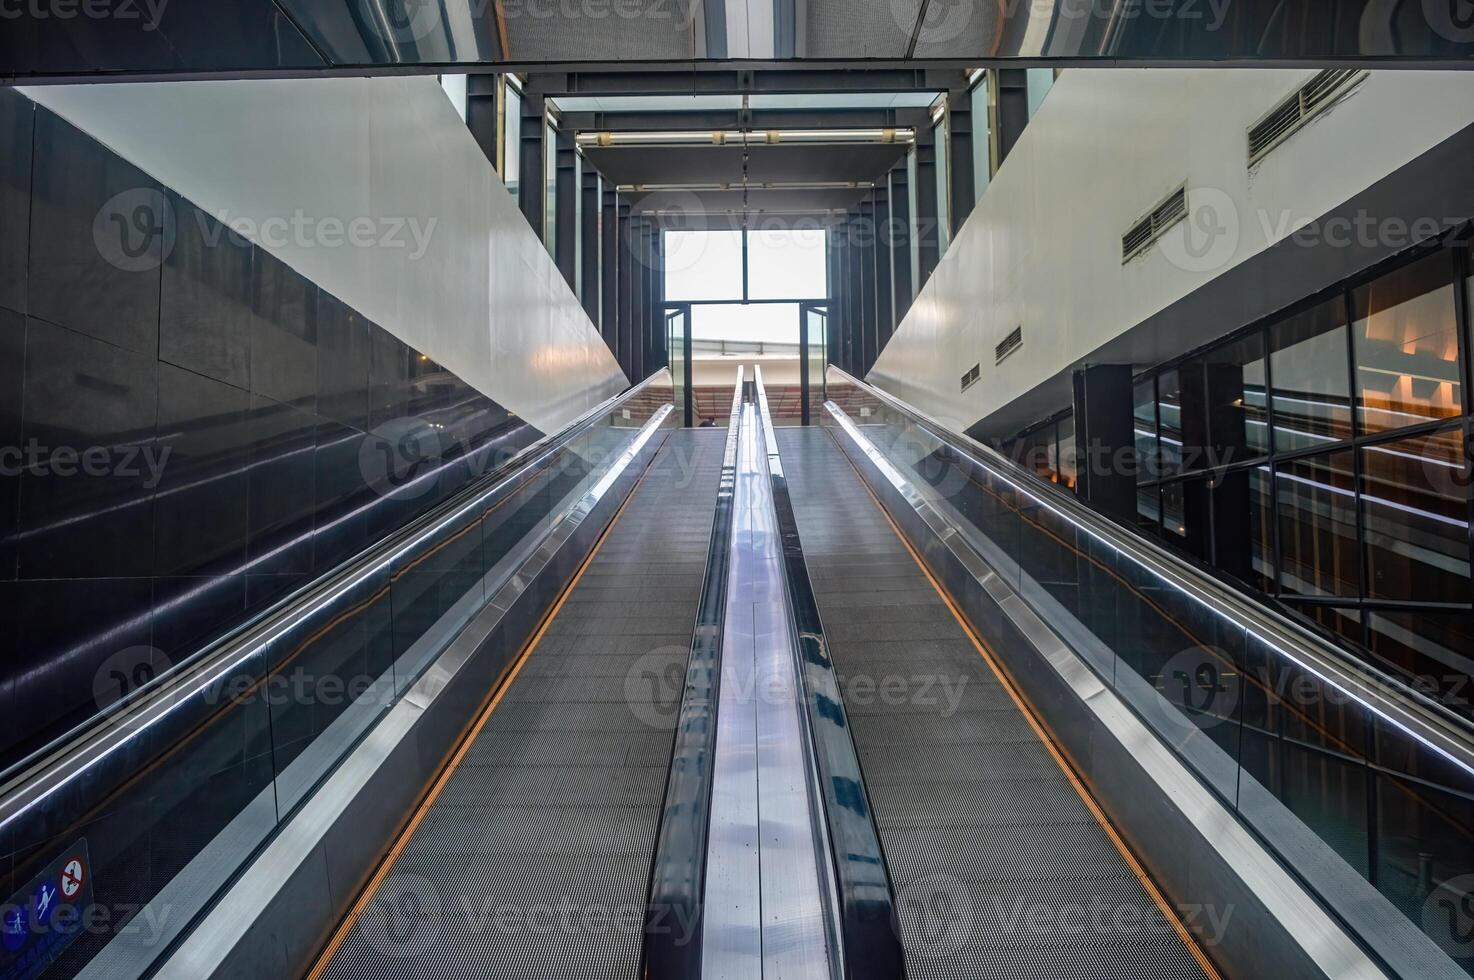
(813, 358)
(678, 358)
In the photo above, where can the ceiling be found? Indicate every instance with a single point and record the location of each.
(235, 38)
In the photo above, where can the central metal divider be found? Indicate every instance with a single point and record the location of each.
(768, 862)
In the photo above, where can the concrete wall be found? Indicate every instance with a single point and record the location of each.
(1043, 247)
(453, 268)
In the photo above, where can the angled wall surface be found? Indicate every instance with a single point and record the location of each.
(444, 261)
(1042, 249)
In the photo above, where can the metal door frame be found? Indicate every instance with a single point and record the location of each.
(804, 309)
(683, 310)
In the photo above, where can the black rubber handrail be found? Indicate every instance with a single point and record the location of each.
(673, 916)
(870, 929)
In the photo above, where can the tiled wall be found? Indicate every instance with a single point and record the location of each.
(226, 418)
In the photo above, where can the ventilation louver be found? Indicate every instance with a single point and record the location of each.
(1150, 228)
(1011, 343)
(972, 376)
(1323, 90)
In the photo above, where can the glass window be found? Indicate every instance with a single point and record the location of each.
(1416, 513)
(1180, 418)
(1038, 81)
(1316, 500)
(1185, 518)
(1148, 509)
(1169, 417)
(1407, 347)
(1039, 453)
(512, 140)
(1344, 622)
(746, 328)
(786, 263)
(703, 265)
(550, 188)
(455, 90)
(1145, 417)
(1068, 463)
(943, 143)
(1309, 367)
(1237, 413)
(982, 142)
(1243, 538)
(1431, 650)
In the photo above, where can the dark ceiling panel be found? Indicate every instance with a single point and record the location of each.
(362, 36)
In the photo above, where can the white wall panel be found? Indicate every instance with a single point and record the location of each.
(485, 298)
(1043, 247)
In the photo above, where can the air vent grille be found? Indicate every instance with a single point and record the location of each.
(1011, 343)
(972, 376)
(1151, 227)
(1284, 120)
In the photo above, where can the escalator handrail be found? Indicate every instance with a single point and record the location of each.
(671, 948)
(43, 773)
(1397, 703)
(870, 930)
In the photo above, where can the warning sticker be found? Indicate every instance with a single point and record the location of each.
(40, 921)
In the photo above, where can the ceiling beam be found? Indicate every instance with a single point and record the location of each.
(719, 82)
(757, 120)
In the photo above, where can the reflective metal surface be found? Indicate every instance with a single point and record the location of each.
(769, 901)
(679, 879)
(354, 35)
(864, 925)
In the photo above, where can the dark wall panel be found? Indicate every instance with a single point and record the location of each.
(17, 121)
(12, 373)
(82, 394)
(204, 320)
(99, 227)
(211, 429)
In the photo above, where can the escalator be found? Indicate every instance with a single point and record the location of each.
(1002, 864)
(857, 699)
(531, 856)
